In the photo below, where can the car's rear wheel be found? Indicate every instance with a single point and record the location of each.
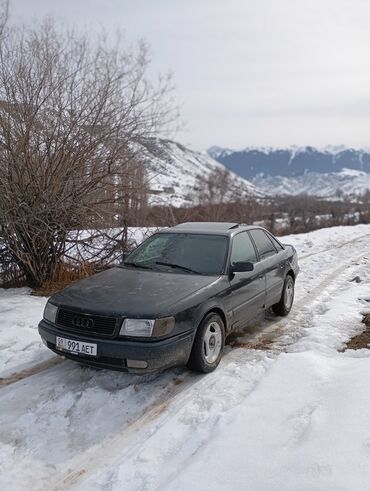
(284, 306)
(208, 344)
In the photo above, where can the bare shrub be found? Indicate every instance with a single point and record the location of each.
(72, 115)
(281, 215)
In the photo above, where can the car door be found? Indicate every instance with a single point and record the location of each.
(273, 264)
(247, 288)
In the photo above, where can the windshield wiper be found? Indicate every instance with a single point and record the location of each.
(137, 265)
(173, 265)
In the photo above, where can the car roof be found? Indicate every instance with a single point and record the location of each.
(217, 228)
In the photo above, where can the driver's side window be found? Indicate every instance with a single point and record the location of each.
(242, 249)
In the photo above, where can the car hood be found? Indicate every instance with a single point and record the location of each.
(128, 292)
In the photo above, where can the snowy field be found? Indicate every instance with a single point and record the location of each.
(285, 410)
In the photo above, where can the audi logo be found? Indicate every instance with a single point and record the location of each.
(82, 322)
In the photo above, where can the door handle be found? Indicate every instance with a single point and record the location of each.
(260, 277)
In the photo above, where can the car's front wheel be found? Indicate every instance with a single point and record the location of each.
(284, 306)
(208, 344)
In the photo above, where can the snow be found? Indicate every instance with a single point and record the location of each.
(347, 182)
(217, 151)
(352, 173)
(291, 414)
(304, 427)
(19, 316)
(94, 245)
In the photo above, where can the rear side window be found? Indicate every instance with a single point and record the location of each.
(243, 250)
(263, 243)
(278, 246)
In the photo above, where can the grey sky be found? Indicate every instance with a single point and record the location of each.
(248, 72)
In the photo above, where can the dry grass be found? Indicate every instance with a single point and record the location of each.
(11, 277)
(177, 381)
(263, 341)
(64, 276)
(361, 340)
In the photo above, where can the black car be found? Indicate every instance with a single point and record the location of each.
(174, 299)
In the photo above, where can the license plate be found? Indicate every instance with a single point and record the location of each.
(76, 347)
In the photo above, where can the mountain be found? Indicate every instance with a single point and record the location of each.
(293, 161)
(175, 172)
(347, 182)
(329, 172)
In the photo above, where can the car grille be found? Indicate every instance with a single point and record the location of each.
(89, 325)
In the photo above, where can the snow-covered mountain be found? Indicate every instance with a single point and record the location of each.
(329, 172)
(175, 172)
(347, 182)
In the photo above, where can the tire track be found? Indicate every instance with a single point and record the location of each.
(302, 257)
(28, 372)
(131, 434)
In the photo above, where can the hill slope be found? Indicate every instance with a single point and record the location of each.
(175, 172)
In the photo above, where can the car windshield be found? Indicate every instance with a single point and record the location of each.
(181, 253)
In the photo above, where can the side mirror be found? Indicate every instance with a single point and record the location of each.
(242, 267)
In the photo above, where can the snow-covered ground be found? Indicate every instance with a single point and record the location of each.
(285, 410)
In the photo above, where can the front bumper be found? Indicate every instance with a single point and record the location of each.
(114, 353)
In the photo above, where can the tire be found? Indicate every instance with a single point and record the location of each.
(208, 344)
(284, 306)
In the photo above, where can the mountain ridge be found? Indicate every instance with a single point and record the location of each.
(291, 161)
(332, 172)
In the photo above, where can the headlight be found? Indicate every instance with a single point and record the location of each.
(50, 312)
(137, 327)
(147, 327)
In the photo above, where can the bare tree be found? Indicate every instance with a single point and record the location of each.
(215, 190)
(4, 14)
(72, 115)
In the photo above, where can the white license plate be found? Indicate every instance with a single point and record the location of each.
(76, 347)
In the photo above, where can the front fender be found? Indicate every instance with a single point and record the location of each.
(210, 306)
(191, 315)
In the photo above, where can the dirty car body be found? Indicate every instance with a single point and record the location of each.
(143, 315)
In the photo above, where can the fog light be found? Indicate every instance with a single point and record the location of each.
(136, 364)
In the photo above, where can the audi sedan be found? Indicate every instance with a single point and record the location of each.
(174, 300)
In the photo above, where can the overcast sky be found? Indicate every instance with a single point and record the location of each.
(247, 72)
